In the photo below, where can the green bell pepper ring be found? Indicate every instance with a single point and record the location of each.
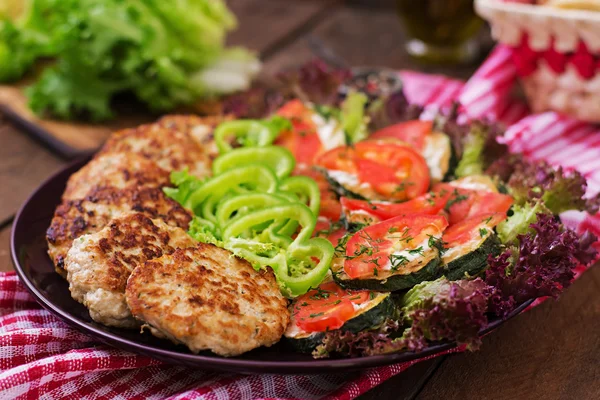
(293, 266)
(209, 208)
(249, 132)
(245, 203)
(275, 216)
(238, 180)
(240, 205)
(315, 248)
(279, 159)
(306, 189)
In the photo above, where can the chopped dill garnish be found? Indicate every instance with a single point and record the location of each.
(397, 260)
(418, 250)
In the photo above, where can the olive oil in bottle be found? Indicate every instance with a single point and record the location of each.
(440, 30)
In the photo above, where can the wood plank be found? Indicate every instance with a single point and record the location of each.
(550, 352)
(362, 36)
(69, 138)
(24, 164)
(5, 261)
(405, 385)
(263, 26)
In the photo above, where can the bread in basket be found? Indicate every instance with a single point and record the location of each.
(556, 51)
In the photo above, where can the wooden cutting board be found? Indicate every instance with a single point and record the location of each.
(69, 139)
(285, 21)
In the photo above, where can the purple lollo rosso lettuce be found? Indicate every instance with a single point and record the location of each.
(541, 264)
(315, 81)
(392, 109)
(541, 253)
(559, 190)
(445, 310)
(256, 102)
(318, 83)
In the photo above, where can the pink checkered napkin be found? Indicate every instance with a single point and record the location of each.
(42, 356)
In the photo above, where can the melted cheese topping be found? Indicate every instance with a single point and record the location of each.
(409, 255)
(476, 182)
(351, 182)
(330, 131)
(344, 178)
(437, 155)
(293, 330)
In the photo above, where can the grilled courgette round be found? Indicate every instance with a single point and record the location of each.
(370, 315)
(425, 269)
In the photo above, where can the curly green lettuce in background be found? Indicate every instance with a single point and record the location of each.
(168, 54)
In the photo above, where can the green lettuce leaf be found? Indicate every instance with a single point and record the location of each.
(352, 116)
(185, 184)
(168, 54)
(472, 161)
(519, 223)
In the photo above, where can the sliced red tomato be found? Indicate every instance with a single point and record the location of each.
(469, 228)
(303, 140)
(459, 201)
(410, 169)
(411, 132)
(340, 159)
(465, 203)
(329, 230)
(486, 202)
(376, 173)
(330, 205)
(294, 109)
(326, 308)
(322, 225)
(394, 171)
(335, 236)
(305, 147)
(368, 250)
(429, 203)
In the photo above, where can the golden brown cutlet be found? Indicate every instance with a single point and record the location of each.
(90, 214)
(173, 143)
(116, 170)
(99, 264)
(208, 299)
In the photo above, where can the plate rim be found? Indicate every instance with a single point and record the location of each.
(233, 364)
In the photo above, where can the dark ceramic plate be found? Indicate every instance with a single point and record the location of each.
(33, 265)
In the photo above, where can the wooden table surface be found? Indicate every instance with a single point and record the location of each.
(551, 352)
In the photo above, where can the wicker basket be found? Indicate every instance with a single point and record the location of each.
(556, 52)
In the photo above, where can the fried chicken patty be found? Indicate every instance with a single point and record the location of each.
(199, 128)
(173, 143)
(99, 264)
(117, 170)
(208, 299)
(90, 214)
